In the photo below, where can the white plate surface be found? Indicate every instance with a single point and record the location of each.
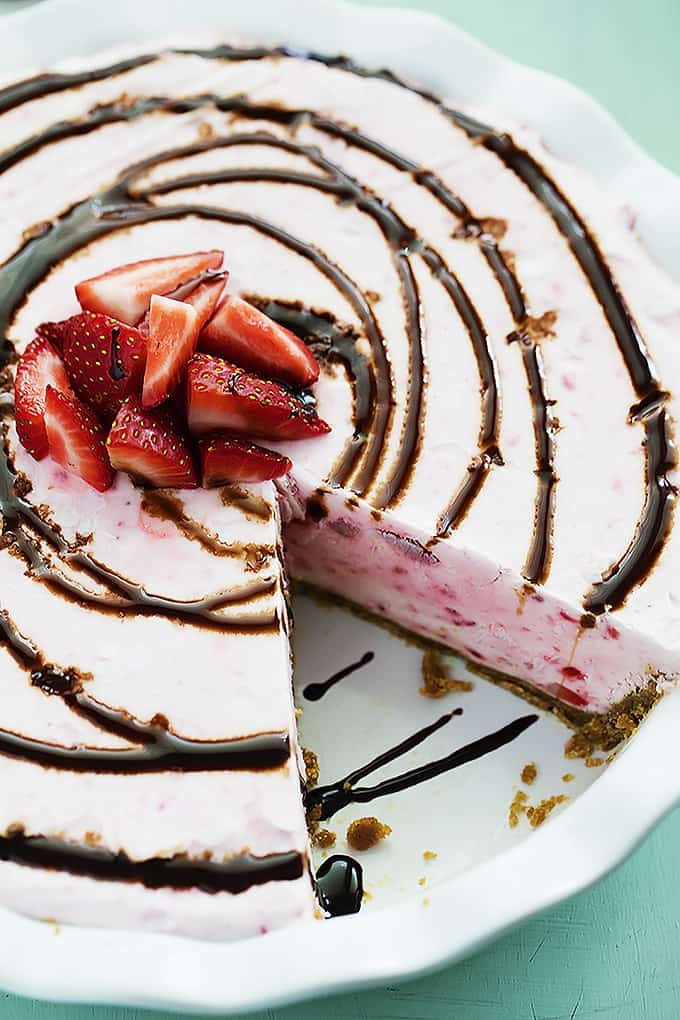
(486, 876)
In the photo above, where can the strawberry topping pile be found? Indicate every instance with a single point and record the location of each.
(163, 376)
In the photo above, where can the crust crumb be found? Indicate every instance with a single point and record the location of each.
(313, 820)
(422, 880)
(436, 679)
(592, 762)
(529, 773)
(537, 815)
(92, 838)
(364, 833)
(605, 732)
(311, 766)
(429, 855)
(568, 777)
(517, 808)
(367, 895)
(324, 839)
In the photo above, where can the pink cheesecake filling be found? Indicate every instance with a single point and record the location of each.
(467, 602)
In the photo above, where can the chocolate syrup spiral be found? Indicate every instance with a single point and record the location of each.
(656, 517)
(158, 750)
(361, 462)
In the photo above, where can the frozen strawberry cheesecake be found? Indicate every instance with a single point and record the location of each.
(282, 298)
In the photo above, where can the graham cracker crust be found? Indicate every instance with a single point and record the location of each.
(592, 730)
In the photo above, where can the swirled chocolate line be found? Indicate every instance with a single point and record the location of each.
(130, 599)
(400, 237)
(656, 518)
(234, 875)
(404, 243)
(158, 750)
(115, 209)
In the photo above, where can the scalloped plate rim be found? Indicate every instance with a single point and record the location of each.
(209, 977)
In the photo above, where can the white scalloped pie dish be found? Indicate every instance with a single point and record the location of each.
(470, 897)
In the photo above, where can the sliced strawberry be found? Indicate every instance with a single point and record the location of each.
(125, 292)
(104, 359)
(203, 293)
(242, 333)
(205, 296)
(76, 439)
(147, 445)
(173, 331)
(230, 459)
(39, 367)
(223, 396)
(54, 332)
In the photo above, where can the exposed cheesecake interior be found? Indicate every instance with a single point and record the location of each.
(500, 475)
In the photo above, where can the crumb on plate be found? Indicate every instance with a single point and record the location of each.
(364, 833)
(537, 815)
(517, 808)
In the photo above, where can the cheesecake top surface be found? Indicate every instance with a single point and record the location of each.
(494, 334)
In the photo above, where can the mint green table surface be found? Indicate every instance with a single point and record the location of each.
(612, 953)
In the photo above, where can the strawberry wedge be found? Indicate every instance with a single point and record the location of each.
(174, 325)
(221, 395)
(125, 292)
(104, 359)
(76, 439)
(39, 367)
(173, 331)
(205, 296)
(242, 333)
(230, 459)
(147, 445)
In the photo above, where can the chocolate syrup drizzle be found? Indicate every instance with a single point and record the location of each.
(116, 209)
(179, 872)
(374, 407)
(21, 524)
(657, 513)
(340, 885)
(158, 750)
(315, 692)
(335, 796)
